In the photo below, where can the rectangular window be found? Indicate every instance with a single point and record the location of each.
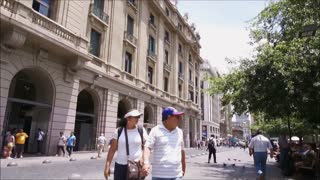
(167, 12)
(128, 62)
(95, 43)
(130, 25)
(180, 48)
(132, 2)
(196, 81)
(151, 45)
(180, 67)
(190, 59)
(98, 8)
(166, 36)
(166, 84)
(196, 98)
(180, 90)
(201, 84)
(42, 6)
(190, 74)
(151, 19)
(150, 74)
(191, 95)
(166, 56)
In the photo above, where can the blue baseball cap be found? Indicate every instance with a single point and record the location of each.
(170, 111)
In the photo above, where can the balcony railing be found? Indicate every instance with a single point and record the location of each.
(167, 66)
(132, 4)
(99, 13)
(152, 55)
(191, 83)
(7, 4)
(152, 25)
(180, 75)
(129, 37)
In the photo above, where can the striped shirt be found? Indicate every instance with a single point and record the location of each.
(167, 148)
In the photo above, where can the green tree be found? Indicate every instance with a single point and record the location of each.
(283, 79)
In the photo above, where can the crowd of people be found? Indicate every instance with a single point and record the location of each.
(295, 156)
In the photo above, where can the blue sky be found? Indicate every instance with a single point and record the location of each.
(222, 27)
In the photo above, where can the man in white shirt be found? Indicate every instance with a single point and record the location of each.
(40, 137)
(100, 144)
(259, 146)
(166, 141)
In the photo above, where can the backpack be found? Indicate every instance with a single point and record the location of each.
(211, 144)
(140, 130)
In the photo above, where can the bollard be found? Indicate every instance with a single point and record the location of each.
(46, 161)
(75, 177)
(12, 164)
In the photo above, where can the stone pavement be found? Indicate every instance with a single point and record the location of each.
(197, 166)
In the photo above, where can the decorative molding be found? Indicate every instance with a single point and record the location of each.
(13, 38)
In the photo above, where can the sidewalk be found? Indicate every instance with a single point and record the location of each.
(32, 159)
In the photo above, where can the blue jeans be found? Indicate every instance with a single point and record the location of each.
(156, 178)
(260, 161)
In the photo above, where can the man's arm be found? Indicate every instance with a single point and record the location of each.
(250, 151)
(183, 162)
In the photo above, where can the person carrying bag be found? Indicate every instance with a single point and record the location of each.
(129, 147)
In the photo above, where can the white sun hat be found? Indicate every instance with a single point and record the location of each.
(133, 113)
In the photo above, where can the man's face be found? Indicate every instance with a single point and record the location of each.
(174, 120)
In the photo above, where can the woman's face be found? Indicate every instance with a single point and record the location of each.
(133, 120)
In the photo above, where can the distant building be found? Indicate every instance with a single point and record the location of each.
(241, 127)
(210, 104)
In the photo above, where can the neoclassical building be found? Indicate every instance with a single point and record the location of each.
(210, 104)
(79, 66)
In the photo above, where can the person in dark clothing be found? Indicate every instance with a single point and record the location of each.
(212, 149)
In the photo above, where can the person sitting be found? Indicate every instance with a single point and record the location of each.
(307, 158)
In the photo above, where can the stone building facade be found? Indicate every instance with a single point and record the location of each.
(210, 104)
(79, 66)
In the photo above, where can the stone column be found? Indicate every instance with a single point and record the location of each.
(112, 111)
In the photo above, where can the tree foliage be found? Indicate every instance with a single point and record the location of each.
(283, 79)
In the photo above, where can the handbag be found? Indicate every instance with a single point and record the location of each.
(134, 171)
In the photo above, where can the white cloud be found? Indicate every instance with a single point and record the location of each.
(219, 42)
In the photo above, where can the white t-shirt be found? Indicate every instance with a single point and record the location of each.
(260, 144)
(61, 140)
(40, 136)
(134, 141)
(167, 148)
(102, 140)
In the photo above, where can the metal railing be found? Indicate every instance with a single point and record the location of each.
(130, 37)
(167, 66)
(180, 75)
(98, 12)
(152, 55)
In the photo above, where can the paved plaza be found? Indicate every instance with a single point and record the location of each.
(86, 168)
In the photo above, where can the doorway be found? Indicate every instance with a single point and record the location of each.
(85, 122)
(29, 105)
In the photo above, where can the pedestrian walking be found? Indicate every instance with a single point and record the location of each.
(129, 133)
(61, 144)
(71, 142)
(10, 142)
(100, 144)
(39, 137)
(20, 141)
(212, 149)
(166, 141)
(260, 145)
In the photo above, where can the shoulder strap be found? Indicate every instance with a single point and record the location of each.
(119, 131)
(140, 129)
(127, 144)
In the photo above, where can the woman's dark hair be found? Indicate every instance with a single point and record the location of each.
(123, 122)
